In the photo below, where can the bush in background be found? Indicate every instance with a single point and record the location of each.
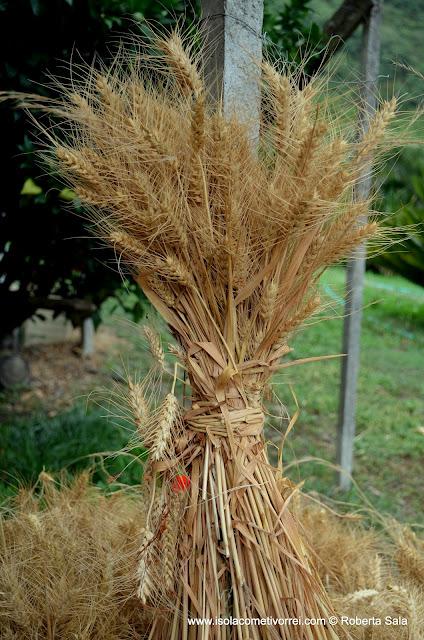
(44, 249)
(403, 196)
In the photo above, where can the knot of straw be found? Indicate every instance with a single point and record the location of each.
(247, 421)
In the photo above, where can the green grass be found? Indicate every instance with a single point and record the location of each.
(77, 439)
(389, 448)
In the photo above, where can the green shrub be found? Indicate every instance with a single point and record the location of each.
(403, 195)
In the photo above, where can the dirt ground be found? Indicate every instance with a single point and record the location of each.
(59, 373)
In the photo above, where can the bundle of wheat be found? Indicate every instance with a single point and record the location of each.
(227, 242)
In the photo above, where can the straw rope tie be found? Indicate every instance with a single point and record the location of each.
(247, 421)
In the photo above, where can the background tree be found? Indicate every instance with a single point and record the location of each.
(43, 248)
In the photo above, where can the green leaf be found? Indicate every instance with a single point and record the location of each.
(417, 183)
(67, 194)
(30, 188)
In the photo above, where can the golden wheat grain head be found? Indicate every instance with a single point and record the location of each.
(222, 236)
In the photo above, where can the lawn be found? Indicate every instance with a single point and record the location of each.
(389, 446)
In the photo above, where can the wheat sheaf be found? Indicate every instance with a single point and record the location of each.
(228, 242)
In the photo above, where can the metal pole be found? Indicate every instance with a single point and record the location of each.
(356, 265)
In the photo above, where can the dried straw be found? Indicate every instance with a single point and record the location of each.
(70, 558)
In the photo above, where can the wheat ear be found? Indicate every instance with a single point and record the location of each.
(155, 346)
(304, 312)
(281, 93)
(127, 244)
(174, 269)
(180, 62)
(163, 290)
(167, 415)
(170, 540)
(138, 404)
(145, 584)
(75, 162)
(268, 301)
(375, 133)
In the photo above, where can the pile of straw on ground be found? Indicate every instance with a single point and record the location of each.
(227, 240)
(68, 559)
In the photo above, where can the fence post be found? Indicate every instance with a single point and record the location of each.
(232, 32)
(87, 330)
(356, 265)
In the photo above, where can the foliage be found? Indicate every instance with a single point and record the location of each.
(403, 195)
(290, 30)
(44, 249)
